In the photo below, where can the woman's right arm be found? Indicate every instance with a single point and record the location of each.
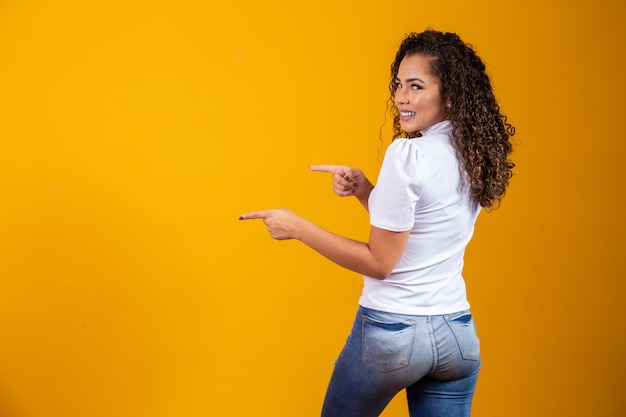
(348, 182)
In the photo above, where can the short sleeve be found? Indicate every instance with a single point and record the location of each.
(393, 201)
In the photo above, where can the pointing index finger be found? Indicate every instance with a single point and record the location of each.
(253, 215)
(333, 169)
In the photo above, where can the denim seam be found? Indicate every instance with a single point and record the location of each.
(433, 343)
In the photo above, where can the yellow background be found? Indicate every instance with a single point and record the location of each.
(134, 132)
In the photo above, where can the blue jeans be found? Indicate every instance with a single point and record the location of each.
(435, 358)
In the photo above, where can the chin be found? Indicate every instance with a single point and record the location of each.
(409, 129)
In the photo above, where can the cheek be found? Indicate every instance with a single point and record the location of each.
(438, 106)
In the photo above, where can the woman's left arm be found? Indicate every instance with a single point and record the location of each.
(376, 258)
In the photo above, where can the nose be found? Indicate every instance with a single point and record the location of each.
(401, 98)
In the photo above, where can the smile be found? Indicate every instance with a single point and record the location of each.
(407, 113)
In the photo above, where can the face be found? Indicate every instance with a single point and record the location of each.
(418, 95)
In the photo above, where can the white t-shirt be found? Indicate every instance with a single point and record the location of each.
(421, 188)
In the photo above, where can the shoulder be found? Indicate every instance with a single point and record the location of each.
(403, 153)
(406, 162)
(404, 146)
(419, 148)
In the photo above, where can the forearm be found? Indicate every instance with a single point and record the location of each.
(348, 253)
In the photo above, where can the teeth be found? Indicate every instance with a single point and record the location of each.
(407, 113)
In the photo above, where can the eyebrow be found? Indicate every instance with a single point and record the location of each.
(408, 80)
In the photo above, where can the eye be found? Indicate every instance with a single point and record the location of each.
(398, 86)
(415, 87)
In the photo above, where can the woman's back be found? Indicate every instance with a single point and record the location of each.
(422, 188)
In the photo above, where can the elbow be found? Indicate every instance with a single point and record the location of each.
(380, 274)
(382, 269)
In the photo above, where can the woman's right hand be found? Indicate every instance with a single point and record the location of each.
(347, 181)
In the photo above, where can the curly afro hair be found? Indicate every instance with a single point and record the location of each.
(480, 132)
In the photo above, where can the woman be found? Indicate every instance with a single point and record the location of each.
(413, 328)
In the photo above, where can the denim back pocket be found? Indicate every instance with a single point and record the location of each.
(387, 346)
(462, 325)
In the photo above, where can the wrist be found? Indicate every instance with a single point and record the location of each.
(364, 192)
(301, 229)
